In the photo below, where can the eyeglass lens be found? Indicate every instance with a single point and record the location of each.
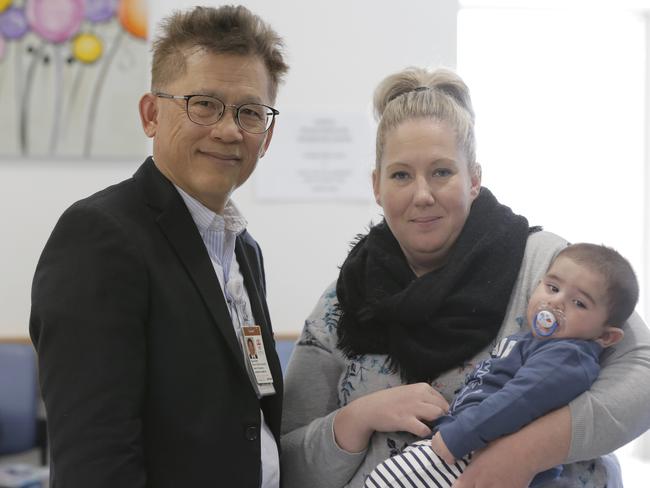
(251, 117)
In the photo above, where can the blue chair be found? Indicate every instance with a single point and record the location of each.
(20, 428)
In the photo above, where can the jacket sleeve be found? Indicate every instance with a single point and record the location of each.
(89, 303)
(554, 374)
(310, 455)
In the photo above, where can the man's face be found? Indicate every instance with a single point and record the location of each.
(208, 162)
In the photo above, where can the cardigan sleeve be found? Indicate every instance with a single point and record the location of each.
(310, 455)
(615, 410)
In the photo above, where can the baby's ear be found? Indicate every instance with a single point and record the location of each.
(610, 336)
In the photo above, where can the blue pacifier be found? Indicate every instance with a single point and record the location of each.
(545, 323)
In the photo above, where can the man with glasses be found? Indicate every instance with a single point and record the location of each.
(147, 292)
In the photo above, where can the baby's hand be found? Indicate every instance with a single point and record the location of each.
(440, 448)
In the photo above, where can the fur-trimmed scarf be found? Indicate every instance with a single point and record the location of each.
(435, 322)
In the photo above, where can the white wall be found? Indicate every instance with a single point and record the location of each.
(338, 51)
(560, 119)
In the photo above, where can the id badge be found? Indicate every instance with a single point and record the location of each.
(256, 361)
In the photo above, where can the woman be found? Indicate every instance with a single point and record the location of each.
(425, 295)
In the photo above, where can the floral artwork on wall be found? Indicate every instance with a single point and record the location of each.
(71, 75)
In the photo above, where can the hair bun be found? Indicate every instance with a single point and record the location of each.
(419, 93)
(414, 79)
(396, 85)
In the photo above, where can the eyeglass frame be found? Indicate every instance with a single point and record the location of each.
(236, 109)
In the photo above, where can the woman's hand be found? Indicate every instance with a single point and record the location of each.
(402, 408)
(514, 460)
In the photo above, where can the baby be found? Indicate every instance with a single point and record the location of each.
(575, 312)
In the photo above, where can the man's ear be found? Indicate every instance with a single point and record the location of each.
(149, 113)
(610, 336)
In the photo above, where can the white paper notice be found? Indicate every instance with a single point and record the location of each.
(317, 157)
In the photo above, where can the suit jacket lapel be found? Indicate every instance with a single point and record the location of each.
(177, 225)
(272, 405)
(245, 256)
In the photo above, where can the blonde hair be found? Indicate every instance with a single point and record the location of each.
(225, 30)
(417, 93)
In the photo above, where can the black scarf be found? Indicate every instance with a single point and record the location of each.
(431, 324)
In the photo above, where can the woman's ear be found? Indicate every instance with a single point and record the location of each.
(475, 180)
(610, 336)
(375, 186)
(149, 113)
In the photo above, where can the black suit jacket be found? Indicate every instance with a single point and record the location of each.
(142, 376)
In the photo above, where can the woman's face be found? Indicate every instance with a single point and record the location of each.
(425, 189)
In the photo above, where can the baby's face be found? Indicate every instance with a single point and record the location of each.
(578, 293)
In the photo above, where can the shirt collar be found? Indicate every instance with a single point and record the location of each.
(205, 219)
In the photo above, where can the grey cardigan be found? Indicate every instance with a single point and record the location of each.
(320, 380)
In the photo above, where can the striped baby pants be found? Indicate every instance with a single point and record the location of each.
(417, 467)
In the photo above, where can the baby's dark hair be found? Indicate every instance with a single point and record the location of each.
(622, 286)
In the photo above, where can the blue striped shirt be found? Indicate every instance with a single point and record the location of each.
(219, 233)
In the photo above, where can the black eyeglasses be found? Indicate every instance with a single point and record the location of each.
(255, 118)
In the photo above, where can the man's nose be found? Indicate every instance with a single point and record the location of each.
(226, 127)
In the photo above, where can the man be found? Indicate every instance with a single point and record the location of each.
(147, 291)
(252, 353)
